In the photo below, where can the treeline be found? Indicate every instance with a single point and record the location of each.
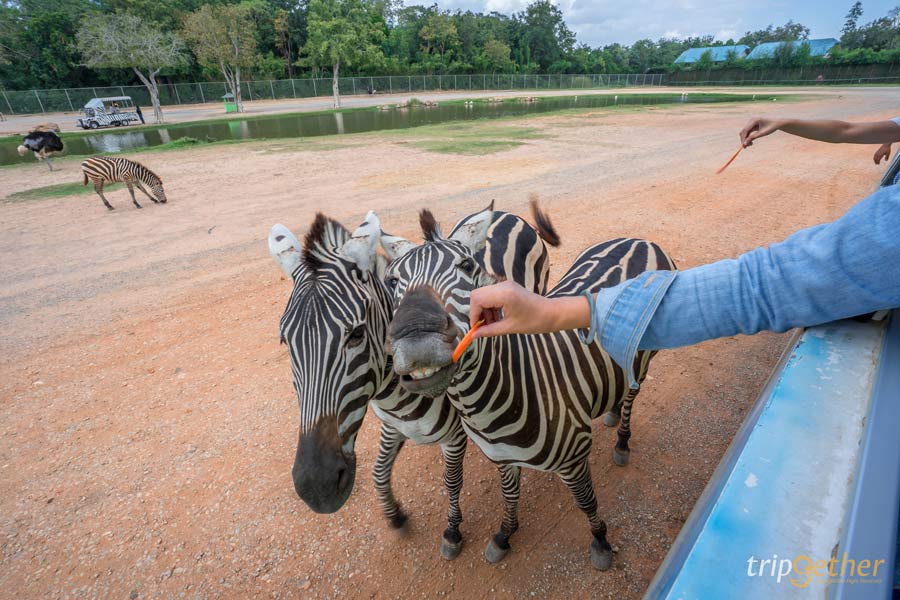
(59, 43)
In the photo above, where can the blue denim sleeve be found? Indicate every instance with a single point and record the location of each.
(820, 274)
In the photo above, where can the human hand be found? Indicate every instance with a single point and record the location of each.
(883, 152)
(756, 128)
(509, 308)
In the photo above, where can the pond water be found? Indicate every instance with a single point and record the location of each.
(358, 121)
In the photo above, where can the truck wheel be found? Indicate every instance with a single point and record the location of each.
(94, 124)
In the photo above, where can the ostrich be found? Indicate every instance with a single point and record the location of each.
(43, 143)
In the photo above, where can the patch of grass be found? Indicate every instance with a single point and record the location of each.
(467, 147)
(471, 138)
(57, 191)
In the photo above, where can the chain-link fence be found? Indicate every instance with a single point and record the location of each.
(62, 100)
(810, 75)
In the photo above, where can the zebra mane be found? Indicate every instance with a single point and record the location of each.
(323, 238)
(152, 174)
(430, 228)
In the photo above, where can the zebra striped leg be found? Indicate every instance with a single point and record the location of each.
(388, 448)
(621, 450)
(510, 479)
(131, 191)
(454, 452)
(578, 480)
(140, 187)
(98, 187)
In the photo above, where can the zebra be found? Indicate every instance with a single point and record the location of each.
(102, 169)
(525, 400)
(335, 325)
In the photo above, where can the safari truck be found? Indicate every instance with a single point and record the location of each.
(107, 112)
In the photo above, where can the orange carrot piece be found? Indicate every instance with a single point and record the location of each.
(467, 339)
(730, 160)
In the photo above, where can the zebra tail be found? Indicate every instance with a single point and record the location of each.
(85, 177)
(543, 224)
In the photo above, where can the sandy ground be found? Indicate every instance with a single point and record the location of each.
(21, 124)
(147, 418)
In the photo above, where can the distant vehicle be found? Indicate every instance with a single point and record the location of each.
(107, 112)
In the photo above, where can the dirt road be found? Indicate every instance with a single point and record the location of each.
(148, 418)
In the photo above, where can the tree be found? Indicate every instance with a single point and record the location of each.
(495, 57)
(789, 32)
(705, 62)
(547, 37)
(224, 37)
(852, 18)
(126, 41)
(342, 32)
(439, 38)
(283, 39)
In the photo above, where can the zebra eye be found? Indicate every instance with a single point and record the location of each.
(467, 266)
(392, 283)
(356, 335)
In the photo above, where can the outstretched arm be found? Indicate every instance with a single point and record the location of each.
(835, 132)
(820, 274)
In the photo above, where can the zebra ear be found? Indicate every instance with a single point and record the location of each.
(395, 246)
(473, 231)
(362, 246)
(285, 249)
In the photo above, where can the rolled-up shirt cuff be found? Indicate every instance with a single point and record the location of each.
(623, 313)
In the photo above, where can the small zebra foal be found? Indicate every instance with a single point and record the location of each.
(102, 169)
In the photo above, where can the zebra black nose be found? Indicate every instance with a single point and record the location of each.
(323, 474)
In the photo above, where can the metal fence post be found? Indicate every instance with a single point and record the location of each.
(293, 89)
(177, 97)
(272, 87)
(315, 93)
(391, 83)
(72, 108)
(5, 97)
(353, 81)
(202, 97)
(41, 104)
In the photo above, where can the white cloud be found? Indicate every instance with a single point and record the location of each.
(601, 22)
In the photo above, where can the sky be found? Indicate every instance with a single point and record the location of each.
(601, 22)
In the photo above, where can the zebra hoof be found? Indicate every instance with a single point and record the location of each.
(610, 419)
(450, 550)
(494, 553)
(400, 523)
(601, 558)
(620, 457)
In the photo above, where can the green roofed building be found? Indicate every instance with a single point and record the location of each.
(717, 53)
(820, 47)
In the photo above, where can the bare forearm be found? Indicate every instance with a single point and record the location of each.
(569, 313)
(842, 132)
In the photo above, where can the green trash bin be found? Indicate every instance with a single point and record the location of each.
(230, 104)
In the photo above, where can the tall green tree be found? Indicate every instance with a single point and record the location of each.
(128, 42)
(342, 32)
(852, 18)
(224, 37)
(546, 35)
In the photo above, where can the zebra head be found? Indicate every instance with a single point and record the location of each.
(158, 192)
(334, 326)
(431, 284)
